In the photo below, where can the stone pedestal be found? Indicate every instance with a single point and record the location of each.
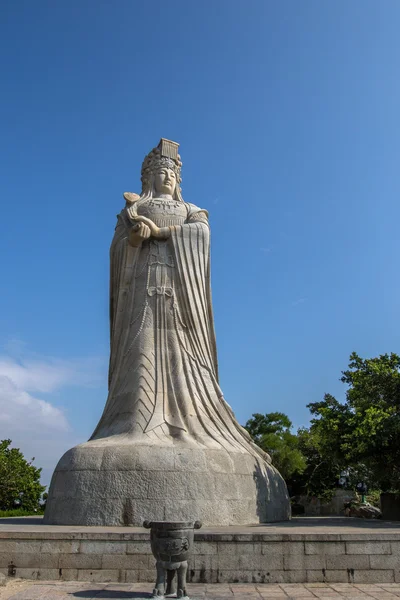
(340, 550)
(110, 483)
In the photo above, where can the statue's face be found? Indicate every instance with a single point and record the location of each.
(165, 181)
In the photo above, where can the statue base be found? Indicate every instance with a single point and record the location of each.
(116, 482)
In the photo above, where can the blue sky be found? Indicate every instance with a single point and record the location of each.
(287, 115)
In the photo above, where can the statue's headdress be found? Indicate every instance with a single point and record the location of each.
(165, 155)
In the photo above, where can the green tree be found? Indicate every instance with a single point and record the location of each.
(322, 471)
(272, 432)
(19, 479)
(363, 433)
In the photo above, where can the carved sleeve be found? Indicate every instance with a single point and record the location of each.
(200, 216)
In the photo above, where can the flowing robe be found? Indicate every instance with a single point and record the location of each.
(163, 376)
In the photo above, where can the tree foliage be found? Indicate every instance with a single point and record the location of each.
(363, 433)
(272, 432)
(322, 471)
(19, 479)
(360, 435)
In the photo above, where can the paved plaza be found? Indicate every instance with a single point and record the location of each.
(30, 590)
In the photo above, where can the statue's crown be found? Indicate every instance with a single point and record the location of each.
(164, 155)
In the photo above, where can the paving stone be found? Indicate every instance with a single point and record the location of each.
(270, 588)
(265, 592)
(273, 597)
(31, 593)
(317, 585)
(58, 595)
(382, 596)
(300, 592)
(326, 593)
(390, 586)
(353, 593)
(368, 587)
(59, 590)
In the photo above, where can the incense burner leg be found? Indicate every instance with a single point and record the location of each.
(182, 572)
(171, 581)
(159, 589)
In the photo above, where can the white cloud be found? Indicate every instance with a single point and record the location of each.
(33, 423)
(49, 374)
(24, 412)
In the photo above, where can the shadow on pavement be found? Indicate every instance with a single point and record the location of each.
(21, 520)
(105, 594)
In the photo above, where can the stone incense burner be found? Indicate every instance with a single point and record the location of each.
(172, 545)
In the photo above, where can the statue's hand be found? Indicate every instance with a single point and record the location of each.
(160, 233)
(138, 234)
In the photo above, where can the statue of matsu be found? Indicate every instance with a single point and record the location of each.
(168, 446)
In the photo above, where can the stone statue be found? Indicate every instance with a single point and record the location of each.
(167, 446)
